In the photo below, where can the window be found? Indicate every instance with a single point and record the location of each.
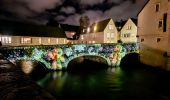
(93, 41)
(164, 22)
(49, 40)
(108, 35)
(160, 25)
(129, 27)
(142, 40)
(110, 26)
(158, 40)
(5, 39)
(26, 40)
(126, 35)
(57, 41)
(82, 37)
(39, 40)
(157, 7)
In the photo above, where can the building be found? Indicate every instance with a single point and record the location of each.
(18, 34)
(103, 31)
(154, 33)
(128, 32)
(71, 31)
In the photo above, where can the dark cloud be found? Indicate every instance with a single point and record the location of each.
(91, 2)
(27, 9)
(68, 11)
(119, 10)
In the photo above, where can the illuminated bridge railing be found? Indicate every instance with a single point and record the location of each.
(58, 56)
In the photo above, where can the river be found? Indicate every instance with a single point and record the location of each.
(108, 84)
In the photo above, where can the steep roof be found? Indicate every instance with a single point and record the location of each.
(135, 21)
(143, 7)
(20, 29)
(71, 28)
(65, 27)
(101, 25)
(120, 24)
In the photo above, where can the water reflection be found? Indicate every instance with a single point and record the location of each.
(109, 84)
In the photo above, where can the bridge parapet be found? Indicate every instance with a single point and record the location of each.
(58, 56)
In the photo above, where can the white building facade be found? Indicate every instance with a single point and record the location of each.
(128, 32)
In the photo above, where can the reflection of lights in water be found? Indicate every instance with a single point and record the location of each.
(27, 66)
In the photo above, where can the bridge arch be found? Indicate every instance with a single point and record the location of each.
(88, 62)
(59, 56)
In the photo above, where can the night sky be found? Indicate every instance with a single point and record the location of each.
(69, 11)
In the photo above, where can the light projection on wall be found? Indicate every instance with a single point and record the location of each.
(57, 57)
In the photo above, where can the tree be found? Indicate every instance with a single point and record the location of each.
(84, 23)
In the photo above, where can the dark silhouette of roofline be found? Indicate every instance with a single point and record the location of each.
(143, 7)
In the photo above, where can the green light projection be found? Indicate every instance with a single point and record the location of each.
(57, 57)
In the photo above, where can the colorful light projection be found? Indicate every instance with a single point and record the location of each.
(117, 54)
(57, 57)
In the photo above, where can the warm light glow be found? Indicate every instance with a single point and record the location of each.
(26, 40)
(95, 28)
(88, 29)
(57, 41)
(58, 58)
(39, 40)
(49, 40)
(82, 37)
(64, 41)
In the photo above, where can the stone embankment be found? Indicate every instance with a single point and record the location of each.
(15, 85)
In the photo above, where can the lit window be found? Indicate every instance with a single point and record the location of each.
(49, 40)
(157, 7)
(88, 29)
(5, 39)
(110, 26)
(89, 41)
(82, 37)
(95, 28)
(93, 42)
(57, 41)
(26, 40)
(39, 40)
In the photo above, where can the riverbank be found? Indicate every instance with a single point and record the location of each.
(15, 85)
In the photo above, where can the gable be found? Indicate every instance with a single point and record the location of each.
(129, 24)
(112, 25)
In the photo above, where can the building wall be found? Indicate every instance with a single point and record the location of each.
(17, 41)
(129, 32)
(154, 41)
(110, 33)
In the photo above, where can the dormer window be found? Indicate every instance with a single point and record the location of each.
(157, 7)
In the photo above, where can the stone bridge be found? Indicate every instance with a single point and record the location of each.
(58, 56)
